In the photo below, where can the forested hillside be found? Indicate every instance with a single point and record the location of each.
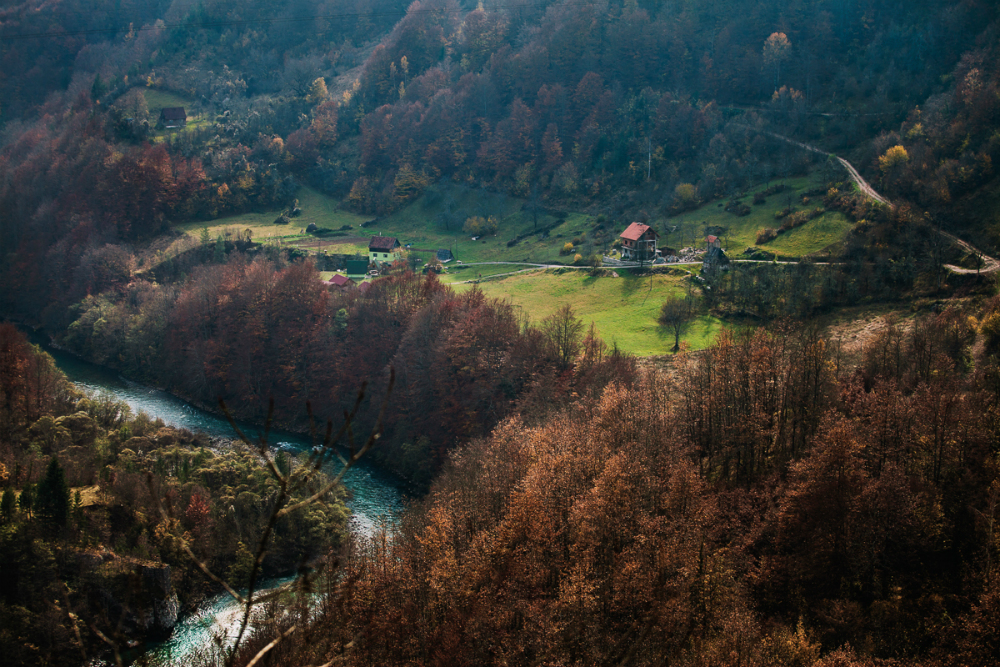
(783, 496)
(99, 504)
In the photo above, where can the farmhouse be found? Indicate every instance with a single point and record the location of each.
(339, 281)
(713, 242)
(383, 249)
(173, 117)
(639, 242)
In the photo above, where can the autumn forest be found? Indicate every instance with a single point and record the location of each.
(807, 472)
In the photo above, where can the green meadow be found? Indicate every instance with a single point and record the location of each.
(741, 232)
(316, 208)
(422, 225)
(624, 310)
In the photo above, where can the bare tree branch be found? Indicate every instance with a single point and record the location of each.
(277, 640)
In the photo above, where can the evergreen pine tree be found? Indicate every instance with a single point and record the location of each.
(52, 503)
(7, 505)
(98, 89)
(26, 500)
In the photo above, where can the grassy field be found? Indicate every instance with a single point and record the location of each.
(623, 309)
(157, 100)
(418, 224)
(316, 208)
(740, 233)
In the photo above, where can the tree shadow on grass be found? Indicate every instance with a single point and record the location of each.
(632, 283)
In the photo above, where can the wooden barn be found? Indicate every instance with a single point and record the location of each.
(173, 117)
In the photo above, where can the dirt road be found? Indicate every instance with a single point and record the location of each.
(990, 264)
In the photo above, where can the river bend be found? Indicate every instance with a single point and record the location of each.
(375, 496)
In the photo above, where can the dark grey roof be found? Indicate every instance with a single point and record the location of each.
(383, 243)
(173, 113)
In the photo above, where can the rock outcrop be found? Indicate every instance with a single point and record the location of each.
(136, 597)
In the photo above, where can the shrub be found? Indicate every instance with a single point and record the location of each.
(478, 226)
(685, 197)
(894, 157)
(738, 208)
(766, 234)
(577, 258)
(566, 249)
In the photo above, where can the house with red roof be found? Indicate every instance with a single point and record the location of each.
(713, 242)
(339, 281)
(639, 242)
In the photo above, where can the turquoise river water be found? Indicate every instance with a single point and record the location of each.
(375, 496)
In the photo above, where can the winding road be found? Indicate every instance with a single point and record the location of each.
(989, 264)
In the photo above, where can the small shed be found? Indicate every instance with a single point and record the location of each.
(715, 260)
(173, 117)
(444, 255)
(357, 268)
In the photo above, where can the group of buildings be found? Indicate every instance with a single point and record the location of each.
(638, 244)
(382, 251)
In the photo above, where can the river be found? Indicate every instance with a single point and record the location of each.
(374, 499)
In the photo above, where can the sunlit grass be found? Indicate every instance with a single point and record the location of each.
(460, 273)
(624, 310)
(157, 100)
(419, 224)
(316, 208)
(741, 232)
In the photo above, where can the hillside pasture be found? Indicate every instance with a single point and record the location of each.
(158, 100)
(435, 220)
(316, 208)
(624, 310)
(741, 232)
(466, 272)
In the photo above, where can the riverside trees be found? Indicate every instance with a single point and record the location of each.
(756, 508)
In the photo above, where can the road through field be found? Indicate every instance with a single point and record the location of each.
(989, 264)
